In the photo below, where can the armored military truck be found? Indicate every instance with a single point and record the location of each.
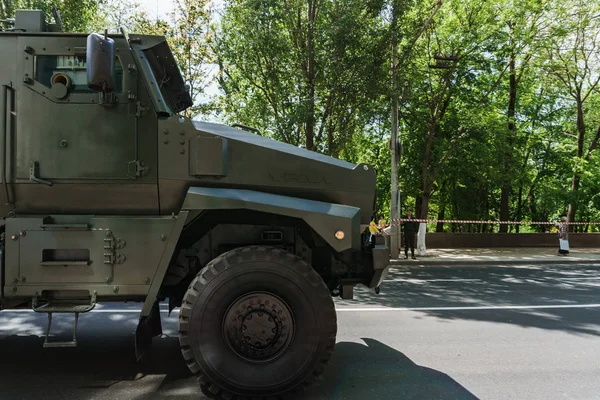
(109, 194)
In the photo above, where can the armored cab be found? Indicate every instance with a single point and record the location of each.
(109, 194)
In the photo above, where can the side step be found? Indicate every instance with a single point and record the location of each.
(64, 308)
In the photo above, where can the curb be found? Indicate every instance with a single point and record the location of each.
(493, 262)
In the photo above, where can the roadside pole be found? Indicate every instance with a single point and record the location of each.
(395, 200)
(395, 145)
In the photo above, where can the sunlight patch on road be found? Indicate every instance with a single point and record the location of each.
(19, 326)
(425, 281)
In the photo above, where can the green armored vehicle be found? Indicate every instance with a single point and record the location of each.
(109, 195)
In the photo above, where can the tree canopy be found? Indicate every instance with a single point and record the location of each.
(77, 15)
(498, 99)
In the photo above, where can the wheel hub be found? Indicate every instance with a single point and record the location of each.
(258, 327)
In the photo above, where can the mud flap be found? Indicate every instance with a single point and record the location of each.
(381, 265)
(148, 327)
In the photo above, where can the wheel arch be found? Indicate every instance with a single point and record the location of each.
(309, 227)
(325, 219)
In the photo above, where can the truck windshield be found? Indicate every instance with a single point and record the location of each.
(168, 77)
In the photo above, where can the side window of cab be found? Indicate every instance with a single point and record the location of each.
(70, 71)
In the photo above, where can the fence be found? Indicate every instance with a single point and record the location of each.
(485, 240)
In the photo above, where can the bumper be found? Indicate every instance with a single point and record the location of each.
(381, 265)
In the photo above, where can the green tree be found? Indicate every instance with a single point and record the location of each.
(302, 72)
(190, 38)
(446, 80)
(76, 15)
(188, 31)
(572, 50)
(524, 21)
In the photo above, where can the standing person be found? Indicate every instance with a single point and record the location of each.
(563, 237)
(410, 228)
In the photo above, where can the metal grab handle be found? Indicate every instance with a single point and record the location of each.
(65, 263)
(247, 128)
(4, 132)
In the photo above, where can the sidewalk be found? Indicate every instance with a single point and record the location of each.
(501, 256)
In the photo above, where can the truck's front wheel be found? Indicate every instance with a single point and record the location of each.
(255, 322)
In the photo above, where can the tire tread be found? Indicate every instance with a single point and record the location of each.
(254, 253)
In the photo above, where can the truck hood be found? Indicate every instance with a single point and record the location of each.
(225, 157)
(240, 135)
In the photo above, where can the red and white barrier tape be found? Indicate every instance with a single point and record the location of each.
(450, 221)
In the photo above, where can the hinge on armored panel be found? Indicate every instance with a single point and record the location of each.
(140, 109)
(136, 169)
(111, 245)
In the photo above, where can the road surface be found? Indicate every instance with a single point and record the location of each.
(473, 332)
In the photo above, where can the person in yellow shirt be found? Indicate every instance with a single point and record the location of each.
(382, 222)
(373, 227)
(373, 230)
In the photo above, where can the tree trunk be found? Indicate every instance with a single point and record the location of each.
(519, 208)
(532, 206)
(425, 185)
(507, 179)
(440, 225)
(442, 210)
(576, 181)
(424, 209)
(310, 79)
(504, 203)
(330, 149)
(6, 9)
(573, 206)
(486, 210)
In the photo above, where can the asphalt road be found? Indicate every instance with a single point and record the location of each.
(446, 333)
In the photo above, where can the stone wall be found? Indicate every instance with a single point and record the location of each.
(481, 240)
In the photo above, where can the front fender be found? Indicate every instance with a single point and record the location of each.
(324, 218)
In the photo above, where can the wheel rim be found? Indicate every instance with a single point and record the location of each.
(258, 327)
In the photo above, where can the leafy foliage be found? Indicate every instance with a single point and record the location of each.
(188, 31)
(77, 15)
(499, 99)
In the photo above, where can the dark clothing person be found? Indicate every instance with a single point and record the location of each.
(410, 229)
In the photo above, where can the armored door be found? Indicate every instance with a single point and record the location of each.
(65, 131)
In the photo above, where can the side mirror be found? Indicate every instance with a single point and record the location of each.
(100, 59)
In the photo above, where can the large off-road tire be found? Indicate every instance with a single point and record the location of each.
(257, 322)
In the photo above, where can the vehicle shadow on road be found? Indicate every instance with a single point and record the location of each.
(103, 367)
(442, 291)
(377, 371)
